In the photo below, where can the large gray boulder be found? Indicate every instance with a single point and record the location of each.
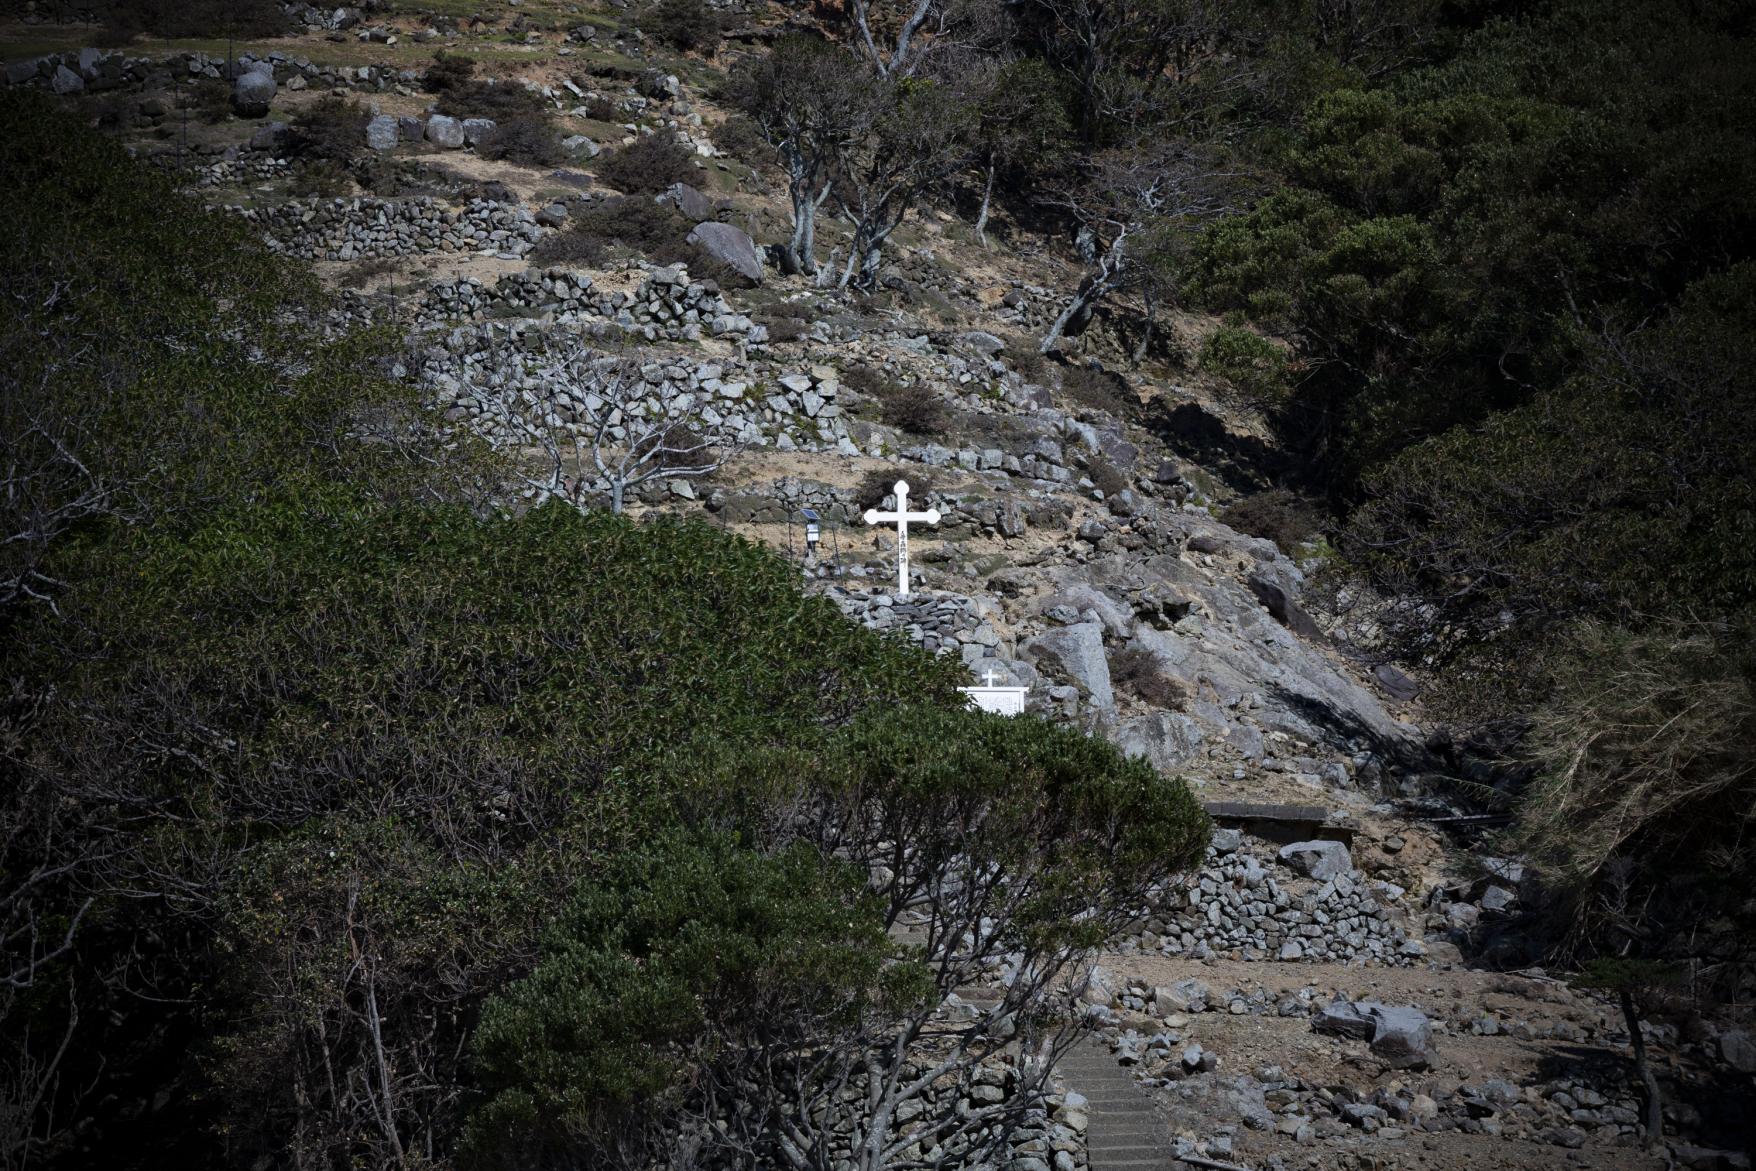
(65, 81)
(1737, 1050)
(731, 246)
(1402, 1037)
(1075, 653)
(252, 93)
(1166, 740)
(19, 72)
(1318, 859)
(273, 139)
(444, 131)
(477, 130)
(692, 203)
(1399, 1035)
(382, 133)
(580, 147)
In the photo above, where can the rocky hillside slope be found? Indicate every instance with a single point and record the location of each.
(1079, 554)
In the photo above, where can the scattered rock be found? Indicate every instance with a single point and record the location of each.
(252, 94)
(1321, 860)
(730, 246)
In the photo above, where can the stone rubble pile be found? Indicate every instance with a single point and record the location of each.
(369, 227)
(91, 70)
(1261, 909)
(942, 623)
(486, 375)
(235, 168)
(667, 305)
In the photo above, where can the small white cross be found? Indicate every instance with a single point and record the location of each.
(988, 677)
(901, 517)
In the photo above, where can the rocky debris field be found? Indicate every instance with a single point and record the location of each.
(1297, 1002)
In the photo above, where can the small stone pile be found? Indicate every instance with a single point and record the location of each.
(945, 624)
(1263, 910)
(668, 305)
(355, 229)
(248, 167)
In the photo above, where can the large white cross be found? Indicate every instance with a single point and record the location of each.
(901, 517)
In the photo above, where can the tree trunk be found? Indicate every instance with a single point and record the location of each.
(618, 491)
(1077, 307)
(1655, 1117)
(987, 201)
(1097, 285)
(1146, 334)
(798, 256)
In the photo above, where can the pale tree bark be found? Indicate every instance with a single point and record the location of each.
(987, 203)
(603, 432)
(1139, 200)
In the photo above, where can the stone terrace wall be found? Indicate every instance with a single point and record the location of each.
(360, 228)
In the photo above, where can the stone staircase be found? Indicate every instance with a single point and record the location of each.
(1125, 1133)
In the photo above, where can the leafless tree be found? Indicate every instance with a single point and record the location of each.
(1134, 207)
(605, 430)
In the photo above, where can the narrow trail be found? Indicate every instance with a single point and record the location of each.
(1125, 1132)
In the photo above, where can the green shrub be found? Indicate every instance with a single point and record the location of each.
(1139, 671)
(740, 137)
(499, 100)
(570, 246)
(1023, 356)
(1277, 514)
(1251, 363)
(1106, 477)
(673, 963)
(647, 166)
(321, 178)
(449, 71)
(530, 139)
(1084, 386)
(756, 980)
(332, 127)
(682, 24)
(915, 408)
(784, 327)
(640, 226)
(208, 100)
(878, 483)
(601, 109)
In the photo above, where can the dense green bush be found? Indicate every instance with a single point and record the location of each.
(1278, 514)
(643, 228)
(703, 981)
(1253, 365)
(647, 166)
(530, 139)
(332, 127)
(682, 24)
(657, 976)
(1086, 386)
(740, 137)
(449, 71)
(500, 100)
(878, 483)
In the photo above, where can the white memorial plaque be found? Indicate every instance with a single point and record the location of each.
(1002, 701)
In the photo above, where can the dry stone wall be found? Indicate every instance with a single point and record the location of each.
(366, 227)
(1245, 901)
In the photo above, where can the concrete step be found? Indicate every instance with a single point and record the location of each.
(1125, 1132)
